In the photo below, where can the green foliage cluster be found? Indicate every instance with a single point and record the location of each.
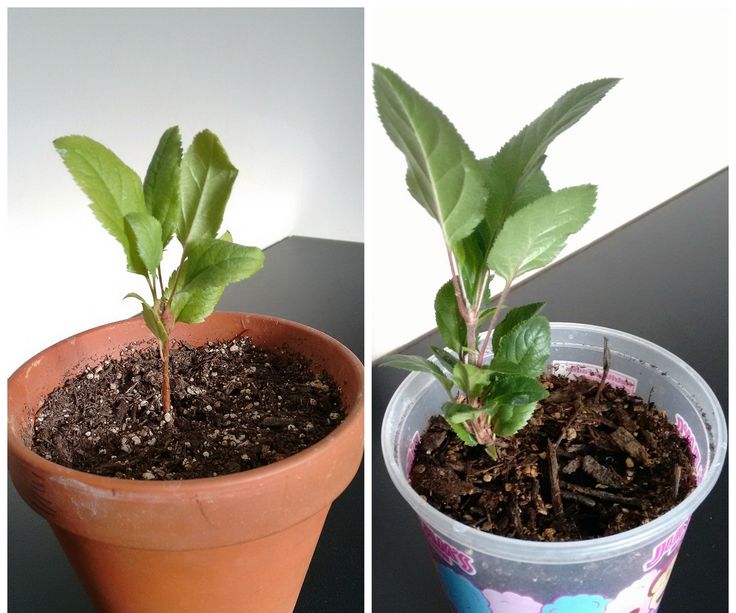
(183, 195)
(498, 217)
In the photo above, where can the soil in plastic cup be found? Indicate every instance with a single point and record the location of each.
(486, 573)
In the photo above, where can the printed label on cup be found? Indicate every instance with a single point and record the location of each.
(667, 547)
(447, 552)
(642, 596)
(574, 370)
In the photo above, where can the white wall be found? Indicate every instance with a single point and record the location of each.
(283, 89)
(662, 129)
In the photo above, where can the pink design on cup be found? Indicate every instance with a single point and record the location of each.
(509, 602)
(635, 597)
(686, 432)
(449, 553)
(668, 546)
(614, 378)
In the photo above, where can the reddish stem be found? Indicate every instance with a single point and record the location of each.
(165, 346)
(166, 383)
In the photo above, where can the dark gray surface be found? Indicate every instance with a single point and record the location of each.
(312, 281)
(662, 277)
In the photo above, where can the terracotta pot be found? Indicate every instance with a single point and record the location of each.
(239, 542)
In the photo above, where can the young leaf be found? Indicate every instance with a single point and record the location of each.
(443, 174)
(459, 413)
(417, 364)
(512, 319)
(532, 237)
(524, 349)
(449, 321)
(445, 357)
(471, 379)
(516, 390)
(161, 185)
(207, 177)
(509, 419)
(520, 159)
(195, 306)
(152, 319)
(114, 189)
(485, 314)
(214, 262)
(463, 434)
(143, 232)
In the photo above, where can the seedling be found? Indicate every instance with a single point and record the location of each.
(498, 217)
(183, 195)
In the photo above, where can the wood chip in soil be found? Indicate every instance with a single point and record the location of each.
(236, 407)
(588, 464)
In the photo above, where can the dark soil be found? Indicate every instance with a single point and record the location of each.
(579, 469)
(235, 407)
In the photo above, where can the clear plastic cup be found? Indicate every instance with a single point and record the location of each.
(614, 574)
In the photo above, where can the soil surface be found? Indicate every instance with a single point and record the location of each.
(583, 467)
(235, 407)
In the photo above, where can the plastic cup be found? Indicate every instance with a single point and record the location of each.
(484, 572)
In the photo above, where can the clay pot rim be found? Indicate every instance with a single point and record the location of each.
(184, 486)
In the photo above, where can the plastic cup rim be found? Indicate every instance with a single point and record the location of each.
(570, 552)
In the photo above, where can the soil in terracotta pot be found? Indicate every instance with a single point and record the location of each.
(583, 467)
(236, 407)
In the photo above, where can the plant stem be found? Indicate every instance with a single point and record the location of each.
(494, 320)
(166, 382)
(152, 287)
(165, 346)
(161, 282)
(462, 299)
(172, 289)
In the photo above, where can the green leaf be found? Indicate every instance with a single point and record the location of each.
(446, 358)
(457, 413)
(443, 174)
(114, 189)
(207, 178)
(485, 314)
(513, 318)
(524, 349)
(195, 306)
(509, 419)
(464, 435)
(471, 379)
(471, 254)
(449, 321)
(212, 264)
(161, 185)
(517, 390)
(143, 232)
(215, 262)
(534, 236)
(152, 318)
(518, 162)
(417, 364)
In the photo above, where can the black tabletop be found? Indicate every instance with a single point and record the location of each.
(662, 277)
(312, 281)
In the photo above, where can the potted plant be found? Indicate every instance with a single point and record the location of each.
(543, 483)
(170, 485)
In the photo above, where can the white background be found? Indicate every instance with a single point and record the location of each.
(660, 130)
(283, 89)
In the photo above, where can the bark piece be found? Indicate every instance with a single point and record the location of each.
(628, 443)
